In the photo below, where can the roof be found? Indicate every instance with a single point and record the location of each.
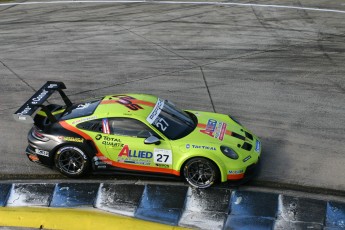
(138, 105)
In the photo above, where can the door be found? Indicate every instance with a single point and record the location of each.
(126, 147)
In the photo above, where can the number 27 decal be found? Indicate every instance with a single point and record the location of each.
(161, 124)
(162, 156)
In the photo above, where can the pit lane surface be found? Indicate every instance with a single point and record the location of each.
(279, 70)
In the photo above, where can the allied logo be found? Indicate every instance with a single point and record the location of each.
(126, 152)
(215, 129)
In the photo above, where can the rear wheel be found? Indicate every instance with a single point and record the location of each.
(71, 161)
(200, 172)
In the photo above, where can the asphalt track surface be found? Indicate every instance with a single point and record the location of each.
(278, 66)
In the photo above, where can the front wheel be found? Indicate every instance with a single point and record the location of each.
(200, 172)
(71, 161)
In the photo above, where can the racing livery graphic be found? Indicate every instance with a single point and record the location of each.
(137, 133)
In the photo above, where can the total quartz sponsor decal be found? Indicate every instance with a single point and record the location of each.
(215, 129)
(131, 156)
(110, 141)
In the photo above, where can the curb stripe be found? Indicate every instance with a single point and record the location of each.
(62, 218)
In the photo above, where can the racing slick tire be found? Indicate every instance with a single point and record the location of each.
(72, 161)
(200, 172)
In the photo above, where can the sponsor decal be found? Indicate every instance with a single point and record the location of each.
(162, 166)
(162, 156)
(72, 139)
(258, 146)
(128, 102)
(37, 99)
(51, 86)
(25, 111)
(99, 163)
(155, 111)
(247, 158)
(236, 171)
(84, 119)
(98, 137)
(42, 152)
(83, 106)
(204, 147)
(111, 141)
(131, 156)
(187, 146)
(215, 129)
(125, 151)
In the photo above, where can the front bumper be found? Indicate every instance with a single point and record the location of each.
(248, 174)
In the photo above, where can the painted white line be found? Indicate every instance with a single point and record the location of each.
(178, 2)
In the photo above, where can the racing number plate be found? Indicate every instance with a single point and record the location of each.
(162, 156)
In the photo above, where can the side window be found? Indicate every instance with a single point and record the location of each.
(129, 127)
(94, 125)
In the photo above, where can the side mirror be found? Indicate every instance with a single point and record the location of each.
(152, 140)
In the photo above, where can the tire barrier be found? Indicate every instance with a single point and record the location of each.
(212, 208)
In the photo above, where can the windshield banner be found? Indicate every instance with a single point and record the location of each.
(156, 111)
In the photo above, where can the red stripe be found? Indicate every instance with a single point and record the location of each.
(118, 164)
(235, 176)
(145, 168)
(201, 126)
(147, 103)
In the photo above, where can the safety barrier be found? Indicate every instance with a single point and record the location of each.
(212, 208)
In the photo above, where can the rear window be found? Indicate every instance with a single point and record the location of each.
(80, 110)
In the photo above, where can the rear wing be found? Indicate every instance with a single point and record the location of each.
(24, 113)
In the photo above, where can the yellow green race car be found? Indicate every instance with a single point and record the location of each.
(137, 133)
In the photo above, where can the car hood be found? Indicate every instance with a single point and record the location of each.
(214, 129)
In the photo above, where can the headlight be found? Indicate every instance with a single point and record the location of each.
(229, 152)
(235, 120)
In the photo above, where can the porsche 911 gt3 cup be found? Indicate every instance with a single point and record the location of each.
(137, 133)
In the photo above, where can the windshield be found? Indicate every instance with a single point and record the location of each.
(171, 121)
(80, 110)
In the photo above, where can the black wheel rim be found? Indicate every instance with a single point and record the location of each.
(200, 174)
(71, 161)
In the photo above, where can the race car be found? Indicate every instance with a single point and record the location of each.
(137, 133)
